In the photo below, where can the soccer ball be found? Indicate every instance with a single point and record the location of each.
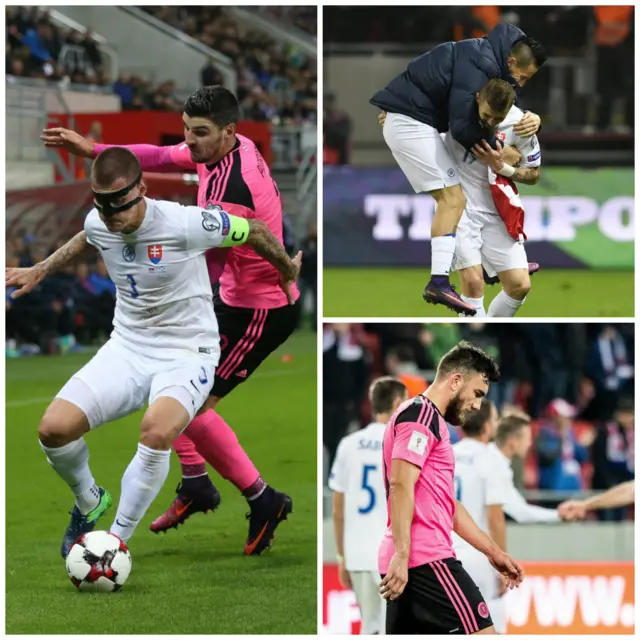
(99, 562)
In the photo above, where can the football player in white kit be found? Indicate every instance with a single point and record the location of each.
(164, 348)
(482, 237)
(359, 505)
(480, 487)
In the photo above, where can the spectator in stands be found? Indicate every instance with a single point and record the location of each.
(560, 454)
(609, 367)
(337, 129)
(124, 89)
(438, 338)
(39, 41)
(400, 363)
(210, 75)
(613, 454)
(309, 270)
(345, 375)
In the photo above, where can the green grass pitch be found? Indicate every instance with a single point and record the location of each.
(397, 292)
(196, 579)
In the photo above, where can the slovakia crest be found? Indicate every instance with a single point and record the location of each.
(154, 251)
(501, 135)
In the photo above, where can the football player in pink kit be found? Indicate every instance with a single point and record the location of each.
(255, 315)
(428, 590)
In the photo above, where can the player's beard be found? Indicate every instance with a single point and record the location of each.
(454, 413)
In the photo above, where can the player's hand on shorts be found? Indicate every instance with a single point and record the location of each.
(382, 116)
(25, 280)
(491, 157)
(343, 575)
(502, 585)
(71, 141)
(572, 510)
(504, 564)
(528, 125)
(395, 581)
(286, 284)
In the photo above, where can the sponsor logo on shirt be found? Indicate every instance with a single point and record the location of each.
(154, 251)
(129, 252)
(417, 443)
(535, 156)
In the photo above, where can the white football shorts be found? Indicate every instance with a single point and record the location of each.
(482, 239)
(118, 381)
(420, 152)
(366, 586)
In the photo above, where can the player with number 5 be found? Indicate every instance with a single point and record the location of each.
(164, 348)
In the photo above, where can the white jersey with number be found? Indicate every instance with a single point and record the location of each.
(357, 473)
(474, 174)
(478, 483)
(163, 293)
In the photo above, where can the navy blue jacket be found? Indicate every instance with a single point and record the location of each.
(439, 87)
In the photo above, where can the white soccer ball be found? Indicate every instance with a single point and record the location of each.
(99, 562)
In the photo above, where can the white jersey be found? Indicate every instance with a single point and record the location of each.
(357, 473)
(163, 293)
(474, 174)
(478, 483)
(515, 506)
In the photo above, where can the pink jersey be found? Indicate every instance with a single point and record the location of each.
(418, 433)
(241, 184)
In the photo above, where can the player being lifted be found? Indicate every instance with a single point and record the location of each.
(253, 312)
(165, 344)
(491, 230)
(437, 93)
(428, 589)
(359, 513)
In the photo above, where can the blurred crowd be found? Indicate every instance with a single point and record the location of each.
(575, 381)
(276, 82)
(304, 18)
(68, 309)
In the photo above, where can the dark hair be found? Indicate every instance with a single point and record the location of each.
(474, 423)
(499, 95)
(214, 103)
(508, 427)
(529, 51)
(383, 392)
(467, 358)
(114, 163)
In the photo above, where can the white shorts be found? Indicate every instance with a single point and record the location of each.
(118, 381)
(482, 239)
(420, 152)
(366, 586)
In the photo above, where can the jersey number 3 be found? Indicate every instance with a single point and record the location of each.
(368, 468)
(132, 282)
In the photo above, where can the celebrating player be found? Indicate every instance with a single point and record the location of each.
(359, 515)
(428, 589)
(622, 495)
(437, 92)
(253, 313)
(491, 230)
(165, 344)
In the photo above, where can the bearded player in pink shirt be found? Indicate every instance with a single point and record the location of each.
(255, 314)
(428, 590)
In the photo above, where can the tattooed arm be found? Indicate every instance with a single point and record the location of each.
(266, 245)
(526, 176)
(27, 280)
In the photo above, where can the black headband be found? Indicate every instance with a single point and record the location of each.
(103, 201)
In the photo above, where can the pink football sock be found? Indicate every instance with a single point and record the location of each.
(192, 462)
(216, 441)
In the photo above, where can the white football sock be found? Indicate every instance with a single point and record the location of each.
(503, 306)
(71, 463)
(477, 304)
(141, 483)
(442, 250)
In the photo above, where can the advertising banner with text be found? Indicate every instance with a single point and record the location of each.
(575, 217)
(555, 598)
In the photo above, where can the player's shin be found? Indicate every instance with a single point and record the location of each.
(141, 483)
(71, 463)
(218, 444)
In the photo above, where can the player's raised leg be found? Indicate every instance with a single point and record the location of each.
(516, 284)
(61, 434)
(424, 159)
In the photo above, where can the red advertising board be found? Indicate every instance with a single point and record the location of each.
(555, 598)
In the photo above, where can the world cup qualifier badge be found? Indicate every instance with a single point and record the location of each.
(154, 251)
